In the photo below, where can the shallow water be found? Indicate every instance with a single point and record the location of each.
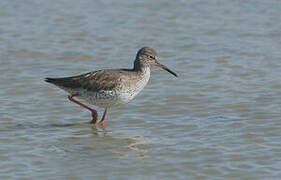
(219, 120)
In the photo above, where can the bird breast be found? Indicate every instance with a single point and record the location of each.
(132, 87)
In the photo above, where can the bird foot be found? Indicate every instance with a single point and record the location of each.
(95, 118)
(101, 123)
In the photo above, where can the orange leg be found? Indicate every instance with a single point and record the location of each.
(94, 112)
(103, 117)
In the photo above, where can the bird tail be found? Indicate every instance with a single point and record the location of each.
(64, 83)
(58, 81)
(51, 80)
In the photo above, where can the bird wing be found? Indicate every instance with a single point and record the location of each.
(92, 81)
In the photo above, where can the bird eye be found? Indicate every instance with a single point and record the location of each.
(151, 57)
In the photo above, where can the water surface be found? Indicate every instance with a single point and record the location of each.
(220, 119)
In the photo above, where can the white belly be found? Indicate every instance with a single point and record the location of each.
(122, 94)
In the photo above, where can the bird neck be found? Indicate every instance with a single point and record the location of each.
(141, 66)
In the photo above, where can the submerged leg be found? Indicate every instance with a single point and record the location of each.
(103, 117)
(94, 112)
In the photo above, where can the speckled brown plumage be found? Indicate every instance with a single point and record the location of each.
(97, 80)
(111, 87)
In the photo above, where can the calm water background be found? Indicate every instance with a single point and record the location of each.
(219, 120)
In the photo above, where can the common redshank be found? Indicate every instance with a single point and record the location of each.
(110, 87)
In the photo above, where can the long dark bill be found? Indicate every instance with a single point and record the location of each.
(167, 69)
